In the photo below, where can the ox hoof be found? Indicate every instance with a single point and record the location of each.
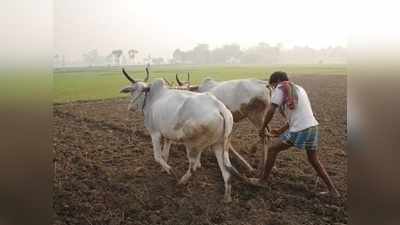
(197, 166)
(182, 183)
(332, 194)
(183, 180)
(167, 170)
(170, 171)
(227, 199)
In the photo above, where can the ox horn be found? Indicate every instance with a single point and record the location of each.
(128, 77)
(147, 74)
(177, 80)
(188, 79)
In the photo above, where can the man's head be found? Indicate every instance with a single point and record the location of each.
(277, 77)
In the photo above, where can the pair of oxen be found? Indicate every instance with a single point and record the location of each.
(199, 117)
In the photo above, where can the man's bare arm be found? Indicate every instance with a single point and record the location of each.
(281, 130)
(270, 114)
(284, 128)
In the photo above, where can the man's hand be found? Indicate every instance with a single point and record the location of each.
(267, 119)
(275, 133)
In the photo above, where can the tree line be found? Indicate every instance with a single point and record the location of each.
(262, 53)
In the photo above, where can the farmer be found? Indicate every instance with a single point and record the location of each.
(301, 130)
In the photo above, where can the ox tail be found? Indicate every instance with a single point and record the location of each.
(228, 125)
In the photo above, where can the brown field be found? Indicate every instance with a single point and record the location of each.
(105, 172)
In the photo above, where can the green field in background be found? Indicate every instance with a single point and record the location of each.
(101, 82)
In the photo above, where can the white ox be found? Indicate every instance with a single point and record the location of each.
(245, 98)
(197, 120)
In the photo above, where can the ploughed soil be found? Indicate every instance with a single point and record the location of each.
(105, 173)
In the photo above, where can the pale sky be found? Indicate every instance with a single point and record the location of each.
(158, 27)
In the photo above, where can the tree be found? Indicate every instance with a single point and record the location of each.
(178, 56)
(263, 53)
(123, 61)
(200, 54)
(117, 55)
(301, 55)
(148, 59)
(132, 53)
(91, 57)
(226, 54)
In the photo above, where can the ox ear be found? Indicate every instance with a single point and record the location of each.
(127, 89)
(188, 80)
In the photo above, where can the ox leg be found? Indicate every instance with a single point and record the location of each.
(165, 151)
(156, 140)
(197, 164)
(219, 151)
(192, 155)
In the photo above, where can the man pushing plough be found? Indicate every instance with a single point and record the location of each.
(300, 130)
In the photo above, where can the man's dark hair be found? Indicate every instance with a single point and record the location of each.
(277, 77)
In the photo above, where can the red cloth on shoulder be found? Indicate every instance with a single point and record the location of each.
(289, 94)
